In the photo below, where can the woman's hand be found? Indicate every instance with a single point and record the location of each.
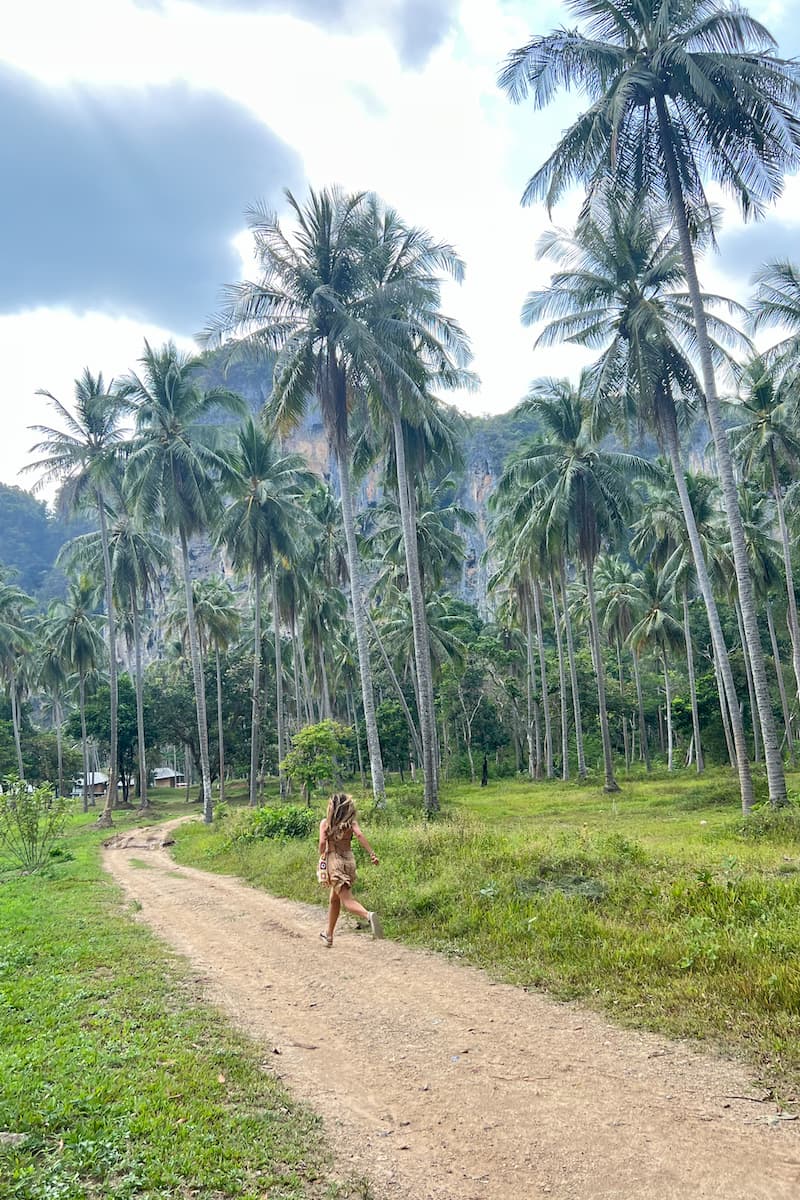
(373, 858)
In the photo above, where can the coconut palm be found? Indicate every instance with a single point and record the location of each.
(81, 457)
(619, 600)
(679, 90)
(173, 466)
(15, 644)
(258, 529)
(53, 674)
(308, 307)
(658, 629)
(618, 289)
(575, 495)
(776, 301)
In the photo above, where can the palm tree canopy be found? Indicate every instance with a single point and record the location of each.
(730, 106)
(765, 431)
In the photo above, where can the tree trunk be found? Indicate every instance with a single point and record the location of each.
(668, 695)
(281, 717)
(533, 699)
(787, 718)
(298, 704)
(419, 622)
(792, 621)
(721, 660)
(104, 820)
(60, 746)
(562, 682)
(15, 723)
(199, 685)
(548, 729)
(140, 734)
(724, 712)
(327, 710)
(573, 674)
(220, 728)
(775, 773)
(368, 699)
(401, 699)
(750, 686)
(610, 784)
(84, 739)
(687, 635)
(311, 709)
(644, 745)
(626, 745)
(255, 698)
(357, 732)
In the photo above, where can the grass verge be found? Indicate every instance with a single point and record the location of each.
(117, 1079)
(662, 907)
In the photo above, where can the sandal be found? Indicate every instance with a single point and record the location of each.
(375, 927)
(327, 940)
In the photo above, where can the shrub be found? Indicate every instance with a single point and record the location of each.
(31, 822)
(284, 821)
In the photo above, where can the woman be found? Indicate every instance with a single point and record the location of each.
(335, 836)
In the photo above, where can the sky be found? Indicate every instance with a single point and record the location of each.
(137, 132)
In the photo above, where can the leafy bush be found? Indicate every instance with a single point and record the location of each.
(766, 823)
(284, 821)
(31, 822)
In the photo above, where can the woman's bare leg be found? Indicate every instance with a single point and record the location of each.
(334, 907)
(349, 902)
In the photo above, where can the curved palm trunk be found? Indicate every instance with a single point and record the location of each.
(15, 722)
(573, 674)
(419, 622)
(792, 621)
(199, 685)
(84, 739)
(140, 734)
(687, 637)
(104, 820)
(748, 670)
(548, 729)
(534, 727)
(220, 730)
(722, 662)
(775, 772)
(255, 698)
(668, 695)
(611, 784)
(644, 747)
(281, 717)
(359, 623)
(562, 682)
(787, 719)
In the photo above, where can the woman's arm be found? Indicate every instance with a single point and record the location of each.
(323, 836)
(357, 831)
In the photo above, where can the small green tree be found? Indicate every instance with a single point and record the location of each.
(315, 751)
(31, 822)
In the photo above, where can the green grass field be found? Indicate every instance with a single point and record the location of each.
(123, 1083)
(661, 906)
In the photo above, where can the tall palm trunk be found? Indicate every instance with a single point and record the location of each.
(357, 732)
(327, 710)
(787, 718)
(548, 727)
(281, 717)
(573, 673)
(220, 729)
(535, 745)
(562, 682)
(359, 623)
(611, 784)
(792, 621)
(311, 708)
(140, 734)
(668, 695)
(644, 745)
(626, 744)
(84, 739)
(59, 715)
(775, 773)
(199, 685)
(687, 637)
(298, 703)
(104, 820)
(419, 622)
(255, 699)
(721, 660)
(748, 670)
(15, 723)
(398, 691)
(724, 711)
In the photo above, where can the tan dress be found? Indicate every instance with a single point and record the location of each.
(341, 860)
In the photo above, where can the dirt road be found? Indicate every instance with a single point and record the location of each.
(436, 1083)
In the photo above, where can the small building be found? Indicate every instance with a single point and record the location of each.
(167, 777)
(97, 784)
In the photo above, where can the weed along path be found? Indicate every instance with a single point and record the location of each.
(437, 1084)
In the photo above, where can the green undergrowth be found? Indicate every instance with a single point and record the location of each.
(119, 1079)
(661, 906)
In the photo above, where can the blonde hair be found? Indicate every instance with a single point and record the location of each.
(341, 813)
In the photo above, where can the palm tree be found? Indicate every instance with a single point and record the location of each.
(618, 288)
(575, 495)
(657, 629)
(776, 301)
(258, 529)
(173, 466)
(309, 308)
(619, 598)
(53, 678)
(767, 444)
(81, 458)
(218, 620)
(77, 640)
(678, 90)
(15, 644)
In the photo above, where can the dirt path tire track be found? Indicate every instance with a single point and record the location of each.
(435, 1082)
